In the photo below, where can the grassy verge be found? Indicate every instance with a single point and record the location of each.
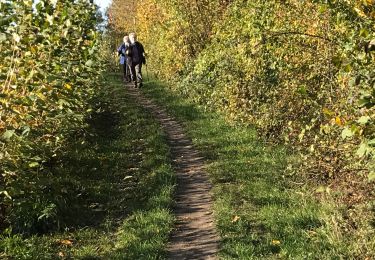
(119, 184)
(262, 212)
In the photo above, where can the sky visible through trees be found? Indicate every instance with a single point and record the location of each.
(103, 4)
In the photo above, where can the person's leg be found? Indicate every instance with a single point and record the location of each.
(124, 72)
(133, 74)
(128, 76)
(138, 70)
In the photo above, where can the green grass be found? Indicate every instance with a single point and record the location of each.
(113, 197)
(261, 210)
(117, 186)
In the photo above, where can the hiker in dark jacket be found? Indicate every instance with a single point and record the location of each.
(123, 58)
(136, 57)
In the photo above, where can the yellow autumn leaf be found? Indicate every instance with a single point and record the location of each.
(68, 86)
(235, 219)
(338, 121)
(66, 242)
(369, 2)
(327, 112)
(41, 96)
(360, 12)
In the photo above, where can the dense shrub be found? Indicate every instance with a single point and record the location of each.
(48, 73)
(300, 71)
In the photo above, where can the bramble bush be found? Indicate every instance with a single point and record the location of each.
(48, 73)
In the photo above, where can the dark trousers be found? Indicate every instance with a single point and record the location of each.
(126, 72)
(136, 72)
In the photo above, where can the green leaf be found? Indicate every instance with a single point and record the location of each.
(363, 149)
(371, 176)
(33, 164)
(26, 130)
(363, 120)
(68, 23)
(364, 33)
(50, 19)
(6, 194)
(323, 8)
(39, 6)
(365, 102)
(346, 133)
(37, 158)
(3, 37)
(347, 68)
(302, 90)
(16, 37)
(62, 103)
(89, 63)
(328, 112)
(8, 134)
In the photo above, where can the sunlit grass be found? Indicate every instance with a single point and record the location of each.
(261, 211)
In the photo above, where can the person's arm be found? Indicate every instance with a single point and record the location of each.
(143, 54)
(121, 50)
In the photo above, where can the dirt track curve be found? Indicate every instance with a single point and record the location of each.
(195, 236)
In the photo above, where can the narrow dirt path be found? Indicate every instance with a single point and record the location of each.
(195, 236)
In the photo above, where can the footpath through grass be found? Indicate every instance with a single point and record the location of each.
(119, 184)
(261, 211)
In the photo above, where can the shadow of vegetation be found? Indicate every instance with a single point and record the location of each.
(89, 180)
(103, 123)
(84, 189)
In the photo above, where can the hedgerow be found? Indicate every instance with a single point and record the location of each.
(48, 74)
(301, 71)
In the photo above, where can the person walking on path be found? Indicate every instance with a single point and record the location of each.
(123, 58)
(136, 57)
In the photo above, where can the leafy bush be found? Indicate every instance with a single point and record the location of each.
(302, 72)
(48, 73)
(298, 70)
